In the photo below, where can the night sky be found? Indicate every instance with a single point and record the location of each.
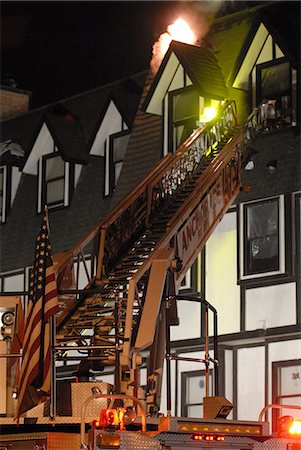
(59, 49)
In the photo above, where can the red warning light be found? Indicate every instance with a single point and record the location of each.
(288, 426)
(96, 424)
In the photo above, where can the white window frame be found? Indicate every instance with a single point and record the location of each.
(4, 193)
(281, 235)
(42, 183)
(110, 177)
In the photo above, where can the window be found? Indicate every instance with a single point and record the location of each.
(263, 238)
(184, 114)
(5, 191)
(56, 181)
(193, 388)
(274, 84)
(2, 193)
(118, 146)
(286, 389)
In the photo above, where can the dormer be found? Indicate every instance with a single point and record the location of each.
(11, 155)
(110, 141)
(256, 61)
(188, 85)
(56, 157)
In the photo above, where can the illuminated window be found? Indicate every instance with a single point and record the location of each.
(274, 84)
(117, 149)
(183, 117)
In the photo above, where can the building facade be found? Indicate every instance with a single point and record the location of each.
(84, 155)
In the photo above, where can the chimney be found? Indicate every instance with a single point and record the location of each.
(13, 101)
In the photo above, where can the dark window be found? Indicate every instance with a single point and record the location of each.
(118, 146)
(54, 181)
(53, 176)
(184, 114)
(261, 237)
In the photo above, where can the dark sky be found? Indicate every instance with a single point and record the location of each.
(58, 49)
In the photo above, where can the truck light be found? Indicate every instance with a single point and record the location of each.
(197, 437)
(288, 426)
(295, 427)
(208, 437)
(96, 424)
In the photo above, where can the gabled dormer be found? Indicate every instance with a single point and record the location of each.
(187, 87)
(256, 62)
(110, 141)
(56, 157)
(111, 133)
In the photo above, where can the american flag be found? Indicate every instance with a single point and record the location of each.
(34, 380)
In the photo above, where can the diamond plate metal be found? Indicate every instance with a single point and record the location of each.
(134, 441)
(81, 391)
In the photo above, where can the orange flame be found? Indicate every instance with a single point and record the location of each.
(177, 31)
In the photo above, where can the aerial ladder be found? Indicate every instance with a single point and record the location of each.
(142, 250)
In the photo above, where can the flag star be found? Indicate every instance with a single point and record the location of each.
(41, 261)
(42, 244)
(41, 269)
(42, 252)
(39, 286)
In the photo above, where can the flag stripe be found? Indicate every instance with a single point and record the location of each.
(34, 378)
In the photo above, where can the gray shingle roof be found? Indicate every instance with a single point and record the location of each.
(72, 122)
(282, 146)
(201, 66)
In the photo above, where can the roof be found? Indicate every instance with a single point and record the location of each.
(201, 66)
(144, 149)
(281, 148)
(74, 121)
(230, 36)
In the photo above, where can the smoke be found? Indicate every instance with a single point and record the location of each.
(198, 16)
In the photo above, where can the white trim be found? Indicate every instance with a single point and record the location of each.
(43, 145)
(107, 167)
(40, 184)
(67, 182)
(15, 180)
(3, 215)
(187, 278)
(111, 124)
(281, 239)
(77, 172)
(242, 78)
(155, 104)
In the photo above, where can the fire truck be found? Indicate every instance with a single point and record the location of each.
(142, 251)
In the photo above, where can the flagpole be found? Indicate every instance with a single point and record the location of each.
(52, 326)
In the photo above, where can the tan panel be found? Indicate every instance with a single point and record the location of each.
(63, 441)
(152, 303)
